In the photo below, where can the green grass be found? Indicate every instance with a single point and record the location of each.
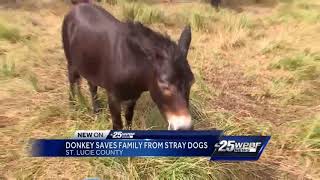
(198, 18)
(232, 21)
(141, 12)
(8, 69)
(290, 63)
(310, 133)
(206, 19)
(154, 119)
(197, 21)
(111, 2)
(275, 47)
(167, 168)
(299, 11)
(34, 82)
(304, 136)
(9, 33)
(52, 111)
(304, 65)
(299, 81)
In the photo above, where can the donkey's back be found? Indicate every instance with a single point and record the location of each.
(90, 39)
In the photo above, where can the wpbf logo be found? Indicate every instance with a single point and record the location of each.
(234, 146)
(120, 134)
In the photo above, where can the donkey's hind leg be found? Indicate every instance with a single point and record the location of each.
(94, 97)
(74, 80)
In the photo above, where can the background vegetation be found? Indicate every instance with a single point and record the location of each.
(257, 67)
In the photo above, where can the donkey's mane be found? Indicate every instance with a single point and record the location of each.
(162, 41)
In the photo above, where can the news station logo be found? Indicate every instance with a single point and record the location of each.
(122, 135)
(240, 148)
(237, 147)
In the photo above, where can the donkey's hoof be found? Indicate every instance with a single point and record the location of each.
(117, 127)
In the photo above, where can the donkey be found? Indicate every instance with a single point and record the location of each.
(215, 3)
(128, 58)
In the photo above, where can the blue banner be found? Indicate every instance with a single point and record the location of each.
(153, 144)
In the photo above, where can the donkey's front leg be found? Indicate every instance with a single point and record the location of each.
(94, 97)
(130, 112)
(115, 110)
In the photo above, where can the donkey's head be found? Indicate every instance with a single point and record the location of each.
(172, 77)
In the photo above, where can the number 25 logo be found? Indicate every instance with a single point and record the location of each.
(116, 135)
(226, 146)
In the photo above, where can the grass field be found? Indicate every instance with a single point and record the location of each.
(257, 68)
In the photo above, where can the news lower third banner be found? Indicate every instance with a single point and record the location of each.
(112, 143)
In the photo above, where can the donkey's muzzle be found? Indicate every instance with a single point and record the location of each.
(181, 122)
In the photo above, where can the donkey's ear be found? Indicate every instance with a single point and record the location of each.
(184, 41)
